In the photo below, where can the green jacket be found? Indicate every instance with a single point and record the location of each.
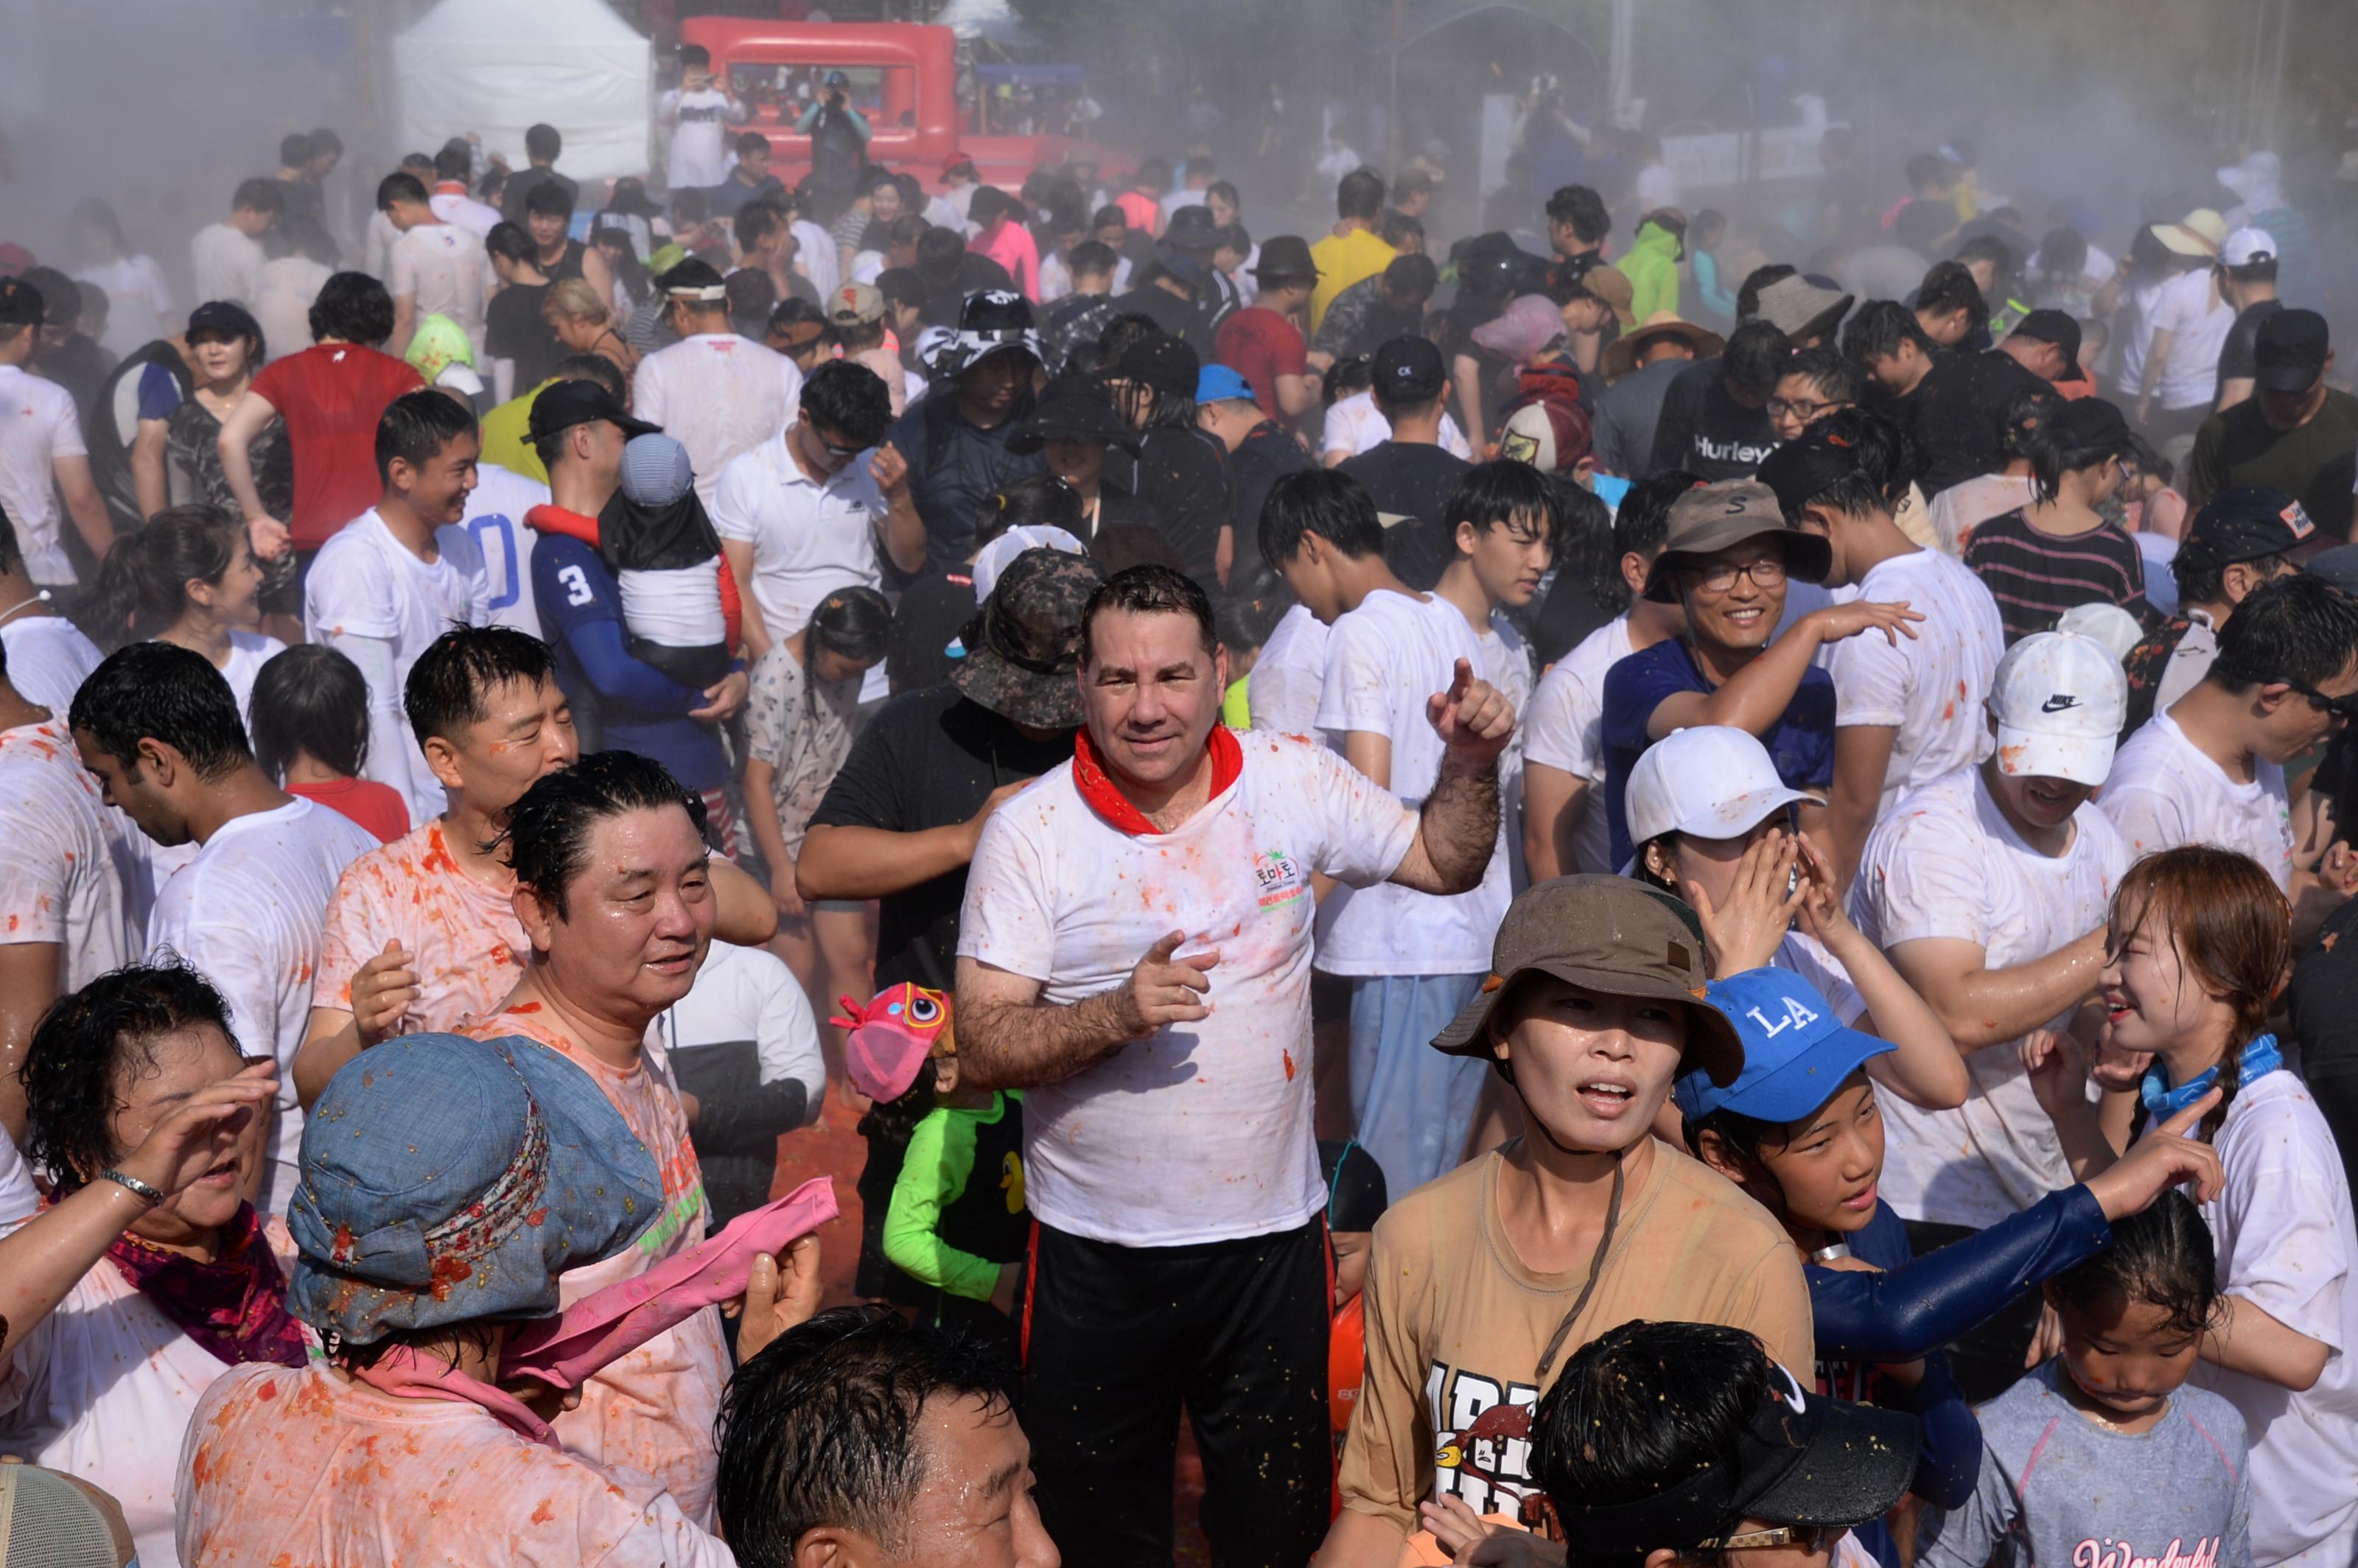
(1652, 268)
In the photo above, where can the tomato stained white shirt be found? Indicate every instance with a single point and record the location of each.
(1200, 1132)
(1931, 688)
(2165, 791)
(1947, 864)
(721, 394)
(61, 881)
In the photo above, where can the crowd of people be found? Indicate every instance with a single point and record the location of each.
(1572, 930)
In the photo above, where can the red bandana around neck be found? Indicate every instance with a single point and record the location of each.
(1105, 797)
(235, 1306)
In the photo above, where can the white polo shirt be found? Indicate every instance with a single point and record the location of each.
(1202, 1131)
(808, 539)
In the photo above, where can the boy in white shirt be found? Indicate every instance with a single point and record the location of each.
(1412, 958)
(1903, 706)
(696, 111)
(1504, 522)
(434, 268)
(2210, 770)
(42, 456)
(1565, 831)
(401, 574)
(1988, 889)
(160, 726)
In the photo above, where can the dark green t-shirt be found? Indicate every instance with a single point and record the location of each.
(2314, 464)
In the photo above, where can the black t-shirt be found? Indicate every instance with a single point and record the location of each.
(513, 329)
(1187, 473)
(2323, 999)
(2239, 356)
(1415, 480)
(1702, 430)
(522, 183)
(945, 301)
(1957, 415)
(1922, 224)
(1265, 456)
(928, 758)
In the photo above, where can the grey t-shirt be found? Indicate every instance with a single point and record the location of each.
(2072, 1494)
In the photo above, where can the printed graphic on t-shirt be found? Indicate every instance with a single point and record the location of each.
(1281, 879)
(1482, 1453)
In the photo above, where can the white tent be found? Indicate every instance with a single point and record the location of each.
(498, 65)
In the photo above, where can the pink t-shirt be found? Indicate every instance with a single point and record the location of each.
(654, 1410)
(1013, 248)
(1143, 211)
(466, 944)
(288, 1466)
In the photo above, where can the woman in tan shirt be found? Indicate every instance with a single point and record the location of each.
(1483, 1282)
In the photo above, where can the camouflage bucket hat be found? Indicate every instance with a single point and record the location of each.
(1024, 646)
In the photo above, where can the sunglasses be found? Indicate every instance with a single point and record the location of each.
(1808, 1537)
(2344, 708)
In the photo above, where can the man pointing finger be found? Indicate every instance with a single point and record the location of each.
(1135, 952)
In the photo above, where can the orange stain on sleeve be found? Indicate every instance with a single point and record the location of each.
(1289, 1064)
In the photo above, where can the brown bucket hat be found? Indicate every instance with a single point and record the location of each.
(1612, 935)
(1024, 646)
(1710, 517)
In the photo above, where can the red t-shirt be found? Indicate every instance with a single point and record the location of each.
(331, 396)
(376, 807)
(1261, 345)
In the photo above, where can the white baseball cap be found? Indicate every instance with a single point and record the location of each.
(2247, 245)
(2108, 623)
(1713, 782)
(995, 556)
(2058, 699)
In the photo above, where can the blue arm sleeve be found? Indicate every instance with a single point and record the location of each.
(1919, 1304)
(1715, 295)
(580, 607)
(1950, 1460)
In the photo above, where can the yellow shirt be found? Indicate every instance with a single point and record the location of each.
(503, 437)
(1456, 1321)
(1342, 261)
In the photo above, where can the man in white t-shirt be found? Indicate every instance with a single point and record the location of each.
(41, 452)
(1168, 1154)
(1564, 829)
(1988, 889)
(1282, 694)
(719, 394)
(1411, 959)
(2179, 378)
(159, 726)
(2210, 770)
(434, 268)
(226, 257)
(64, 908)
(696, 111)
(1904, 707)
(449, 199)
(402, 573)
(804, 514)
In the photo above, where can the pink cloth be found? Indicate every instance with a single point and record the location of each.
(405, 1375)
(565, 1350)
(1011, 247)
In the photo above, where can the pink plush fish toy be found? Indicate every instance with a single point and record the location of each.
(893, 1036)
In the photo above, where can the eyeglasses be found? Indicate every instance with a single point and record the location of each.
(840, 454)
(1767, 572)
(1808, 1537)
(1807, 413)
(2344, 708)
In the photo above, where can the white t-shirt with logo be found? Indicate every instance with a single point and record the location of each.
(2286, 1242)
(1282, 690)
(2164, 792)
(450, 273)
(808, 539)
(1947, 864)
(1930, 687)
(1201, 1132)
(699, 156)
(251, 912)
(49, 658)
(38, 425)
(495, 519)
(1384, 660)
(1565, 730)
(721, 394)
(365, 583)
(60, 882)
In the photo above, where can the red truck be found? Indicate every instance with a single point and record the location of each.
(904, 80)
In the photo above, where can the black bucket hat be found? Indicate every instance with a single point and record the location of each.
(1074, 409)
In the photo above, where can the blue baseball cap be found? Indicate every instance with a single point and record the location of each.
(1796, 1052)
(447, 1180)
(1220, 383)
